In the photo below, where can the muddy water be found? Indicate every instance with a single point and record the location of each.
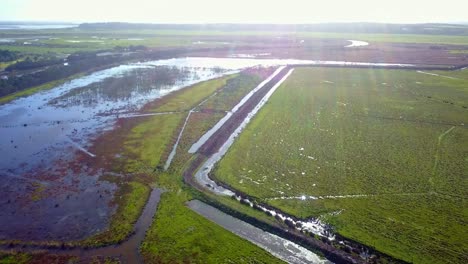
(35, 127)
(42, 200)
(277, 246)
(127, 251)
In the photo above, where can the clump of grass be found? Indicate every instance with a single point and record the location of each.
(38, 191)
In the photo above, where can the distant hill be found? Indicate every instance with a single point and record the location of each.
(430, 28)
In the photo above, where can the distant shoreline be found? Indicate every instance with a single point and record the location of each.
(15, 25)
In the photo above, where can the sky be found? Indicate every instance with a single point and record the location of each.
(235, 11)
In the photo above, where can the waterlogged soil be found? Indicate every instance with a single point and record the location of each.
(50, 171)
(338, 50)
(127, 251)
(44, 198)
(50, 166)
(70, 207)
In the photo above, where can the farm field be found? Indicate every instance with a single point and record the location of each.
(379, 154)
(101, 126)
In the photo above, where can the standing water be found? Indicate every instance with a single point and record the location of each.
(277, 246)
(49, 127)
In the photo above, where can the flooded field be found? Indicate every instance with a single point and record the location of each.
(34, 128)
(43, 132)
(54, 188)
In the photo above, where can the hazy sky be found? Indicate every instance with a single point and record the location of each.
(236, 11)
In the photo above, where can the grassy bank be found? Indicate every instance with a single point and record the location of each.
(180, 235)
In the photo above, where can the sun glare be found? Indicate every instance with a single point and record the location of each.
(240, 11)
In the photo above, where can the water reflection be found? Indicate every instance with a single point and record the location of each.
(33, 129)
(47, 128)
(41, 132)
(130, 86)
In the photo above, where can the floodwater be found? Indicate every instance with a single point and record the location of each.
(127, 251)
(41, 132)
(277, 246)
(254, 55)
(357, 43)
(34, 128)
(239, 63)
